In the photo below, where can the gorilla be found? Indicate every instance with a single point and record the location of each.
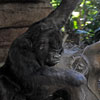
(28, 73)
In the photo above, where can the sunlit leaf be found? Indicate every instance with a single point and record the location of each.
(75, 14)
(88, 2)
(75, 25)
(63, 29)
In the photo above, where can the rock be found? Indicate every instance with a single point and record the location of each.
(15, 18)
(22, 14)
(6, 38)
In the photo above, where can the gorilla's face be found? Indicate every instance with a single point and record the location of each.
(53, 57)
(54, 50)
(49, 49)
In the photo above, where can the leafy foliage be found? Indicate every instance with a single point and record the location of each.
(85, 17)
(55, 3)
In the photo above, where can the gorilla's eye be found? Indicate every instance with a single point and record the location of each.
(58, 51)
(42, 46)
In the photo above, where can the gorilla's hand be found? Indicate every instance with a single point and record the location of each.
(75, 78)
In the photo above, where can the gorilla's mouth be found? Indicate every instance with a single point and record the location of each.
(53, 59)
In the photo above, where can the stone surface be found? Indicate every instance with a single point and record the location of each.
(23, 1)
(22, 14)
(6, 38)
(15, 18)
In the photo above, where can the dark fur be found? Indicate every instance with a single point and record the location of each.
(28, 73)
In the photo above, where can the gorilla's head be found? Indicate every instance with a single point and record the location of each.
(49, 48)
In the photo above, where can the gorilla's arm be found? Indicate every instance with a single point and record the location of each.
(59, 16)
(64, 76)
(28, 71)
